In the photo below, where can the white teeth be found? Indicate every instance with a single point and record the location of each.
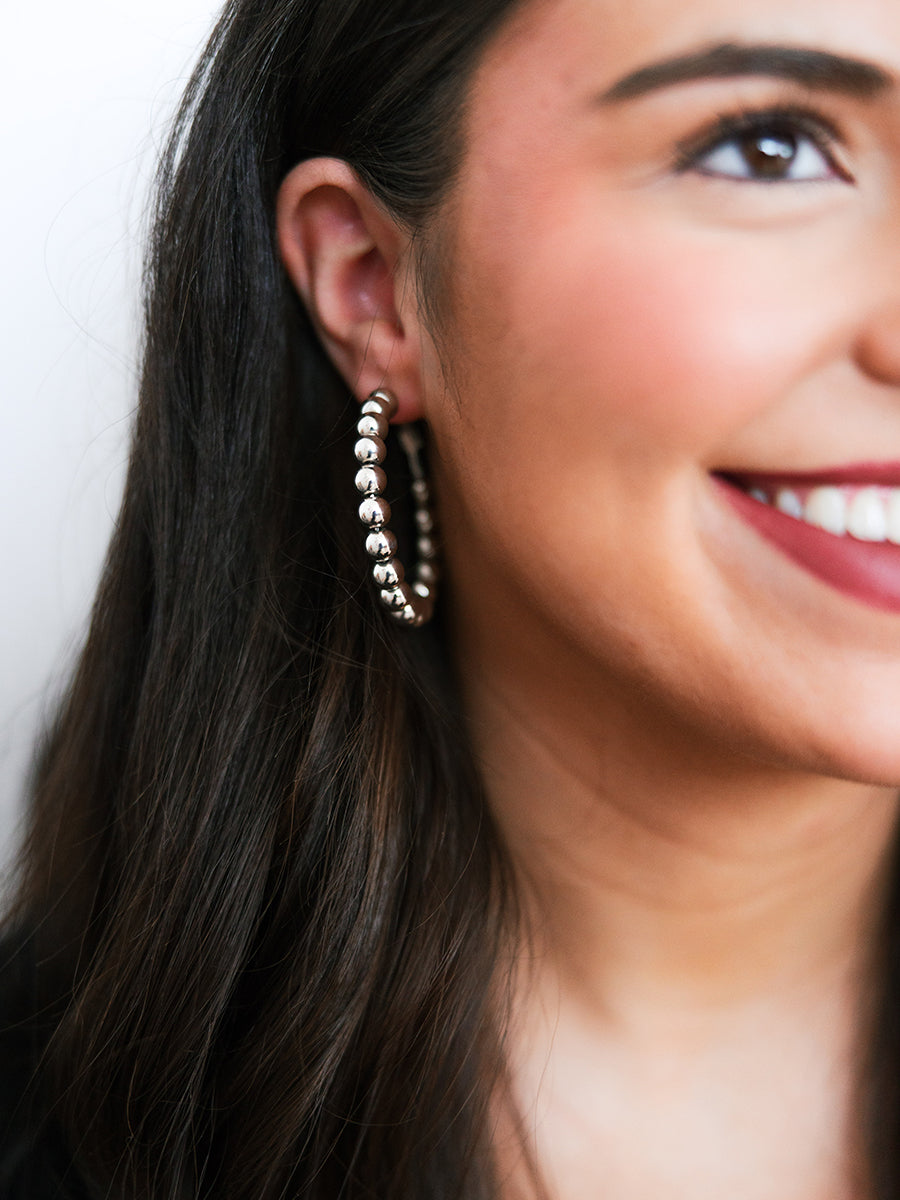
(788, 502)
(827, 508)
(866, 516)
(893, 517)
(869, 514)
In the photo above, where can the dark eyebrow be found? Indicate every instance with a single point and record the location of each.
(810, 68)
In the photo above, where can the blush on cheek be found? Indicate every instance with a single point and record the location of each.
(671, 338)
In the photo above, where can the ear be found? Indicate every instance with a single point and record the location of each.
(352, 265)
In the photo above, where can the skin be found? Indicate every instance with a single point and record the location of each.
(691, 744)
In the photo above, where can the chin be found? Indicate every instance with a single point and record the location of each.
(867, 755)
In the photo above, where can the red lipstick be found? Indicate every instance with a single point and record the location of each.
(867, 571)
(875, 474)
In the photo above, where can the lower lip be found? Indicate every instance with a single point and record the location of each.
(867, 571)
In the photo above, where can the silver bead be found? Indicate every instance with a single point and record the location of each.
(388, 574)
(397, 598)
(427, 573)
(408, 616)
(424, 521)
(422, 589)
(426, 546)
(370, 481)
(378, 407)
(375, 512)
(420, 491)
(370, 450)
(381, 545)
(387, 400)
(372, 425)
(423, 607)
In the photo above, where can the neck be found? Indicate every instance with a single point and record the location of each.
(698, 938)
(654, 875)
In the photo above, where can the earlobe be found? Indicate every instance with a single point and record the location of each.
(348, 260)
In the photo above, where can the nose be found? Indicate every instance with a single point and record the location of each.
(878, 348)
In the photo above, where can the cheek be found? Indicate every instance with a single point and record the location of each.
(658, 338)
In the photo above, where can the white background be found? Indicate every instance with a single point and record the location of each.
(87, 89)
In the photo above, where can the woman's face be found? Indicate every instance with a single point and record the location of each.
(674, 281)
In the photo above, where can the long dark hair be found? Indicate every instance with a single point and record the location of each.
(262, 895)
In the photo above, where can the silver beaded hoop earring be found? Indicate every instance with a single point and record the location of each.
(410, 604)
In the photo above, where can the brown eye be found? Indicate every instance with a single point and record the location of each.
(766, 151)
(769, 155)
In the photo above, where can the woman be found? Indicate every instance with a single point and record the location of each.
(582, 886)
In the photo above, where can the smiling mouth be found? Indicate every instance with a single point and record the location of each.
(841, 525)
(869, 513)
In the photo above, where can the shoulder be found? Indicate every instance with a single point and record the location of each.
(33, 1161)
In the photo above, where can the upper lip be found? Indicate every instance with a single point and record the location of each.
(883, 474)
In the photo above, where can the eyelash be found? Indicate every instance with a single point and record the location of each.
(793, 121)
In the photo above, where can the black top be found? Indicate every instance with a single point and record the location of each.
(34, 1164)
